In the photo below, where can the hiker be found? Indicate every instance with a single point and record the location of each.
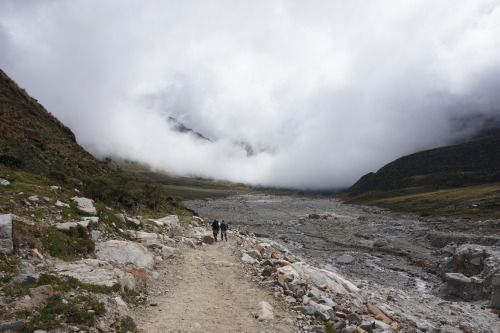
(223, 230)
(215, 228)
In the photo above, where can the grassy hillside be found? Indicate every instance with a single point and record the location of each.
(457, 180)
(33, 140)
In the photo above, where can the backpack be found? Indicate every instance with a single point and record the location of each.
(224, 226)
(215, 225)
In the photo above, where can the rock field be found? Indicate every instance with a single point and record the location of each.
(418, 270)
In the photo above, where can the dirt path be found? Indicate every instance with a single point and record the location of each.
(212, 294)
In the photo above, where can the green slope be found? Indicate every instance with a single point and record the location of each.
(457, 180)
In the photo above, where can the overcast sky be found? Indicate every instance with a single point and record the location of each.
(324, 91)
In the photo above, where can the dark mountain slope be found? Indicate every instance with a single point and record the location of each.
(33, 140)
(461, 180)
(470, 163)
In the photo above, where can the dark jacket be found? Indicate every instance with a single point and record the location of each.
(215, 225)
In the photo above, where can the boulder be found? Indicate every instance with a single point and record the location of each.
(132, 220)
(197, 232)
(124, 252)
(247, 259)
(171, 221)
(85, 205)
(90, 271)
(168, 252)
(189, 242)
(4, 182)
(324, 278)
(94, 219)
(475, 271)
(254, 254)
(142, 235)
(69, 225)
(6, 243)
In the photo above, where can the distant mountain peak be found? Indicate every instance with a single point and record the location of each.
(181, 128)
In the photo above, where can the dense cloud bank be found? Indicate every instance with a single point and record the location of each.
(323, 92)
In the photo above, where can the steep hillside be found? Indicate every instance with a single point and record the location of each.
(457, 180)
(33, 140)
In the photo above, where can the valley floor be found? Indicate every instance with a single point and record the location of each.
(397, 260)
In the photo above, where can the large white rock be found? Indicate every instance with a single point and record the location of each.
(171, 221)
(68, 225)
(325, 278)
(6, 244)
(85, 205)
(124, 252)
(197, 232)
(246, 258)
(142, 235)
(168, 251)
(90, 271)
(4, 182)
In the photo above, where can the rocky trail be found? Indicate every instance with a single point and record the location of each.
(437, 275)
(209, 292)
(292, 264)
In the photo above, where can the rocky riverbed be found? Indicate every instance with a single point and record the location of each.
(416, 269)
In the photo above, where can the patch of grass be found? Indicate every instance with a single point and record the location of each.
(133, 297)
(328, 327)
(8, 268)
(68, 283)
(72, 246)
(474, 202)
(74, 311)
(126, 324)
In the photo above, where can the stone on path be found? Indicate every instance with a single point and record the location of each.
(265, 311)
(208, 239)
(6, 243)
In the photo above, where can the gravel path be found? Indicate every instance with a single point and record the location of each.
(209, 292)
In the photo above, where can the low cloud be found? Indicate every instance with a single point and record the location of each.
(323, 92)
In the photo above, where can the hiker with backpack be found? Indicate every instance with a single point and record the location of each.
(223, 230)
(215, 228)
